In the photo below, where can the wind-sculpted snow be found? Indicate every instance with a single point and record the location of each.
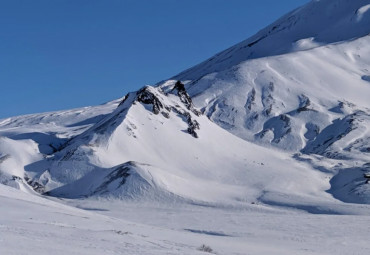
(342, 138)
(127, 181)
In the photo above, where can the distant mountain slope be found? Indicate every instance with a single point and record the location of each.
(317, 23)
(288, 100)
(64, 124)
(301, 84)
(29, 138)
(307, 72)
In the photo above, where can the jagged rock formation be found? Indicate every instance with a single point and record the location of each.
(184, 97)
(146, 97)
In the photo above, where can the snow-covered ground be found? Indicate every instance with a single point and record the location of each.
(264, 150)
(31, 224)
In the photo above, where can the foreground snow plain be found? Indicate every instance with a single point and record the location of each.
(32, 224)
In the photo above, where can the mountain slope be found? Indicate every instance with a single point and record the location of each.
(262, 149)
(300, 85)
(317, 23)
(272, 92)
(145, 150)
(282, 100)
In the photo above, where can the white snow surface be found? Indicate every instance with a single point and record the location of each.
(269, 156)
(30, 224)
(169, 162)
(320, 21)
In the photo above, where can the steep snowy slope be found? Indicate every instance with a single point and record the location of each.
(301, 84)
(14, 155)
(27, 139)
(288, 100)
(157, 146)
(319, 22)
(54, 125)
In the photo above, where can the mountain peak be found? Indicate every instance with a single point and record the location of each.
(315, 24)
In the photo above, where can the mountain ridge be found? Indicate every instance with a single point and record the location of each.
(300, 29)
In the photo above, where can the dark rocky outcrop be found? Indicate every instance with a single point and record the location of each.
(146, 97)
(250, 100)
(35, 185)
(267, 98)
(304, 103)
(192, 126)
(119, 174)
(185, 98)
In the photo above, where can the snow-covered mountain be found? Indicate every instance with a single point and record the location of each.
(301, 85)
(252, 152)
(156, 145)
(298, 87)
(318, 23)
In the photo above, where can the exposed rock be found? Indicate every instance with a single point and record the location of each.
(119, 174)
(267, 98)
(185, 98)
(165, 114)
(146, 97)
(192, 124)
(35, 185)
(250, 100)
(304, 103)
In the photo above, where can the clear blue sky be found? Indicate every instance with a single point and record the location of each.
(61, 54)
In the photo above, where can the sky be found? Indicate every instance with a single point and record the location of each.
(63, 54)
